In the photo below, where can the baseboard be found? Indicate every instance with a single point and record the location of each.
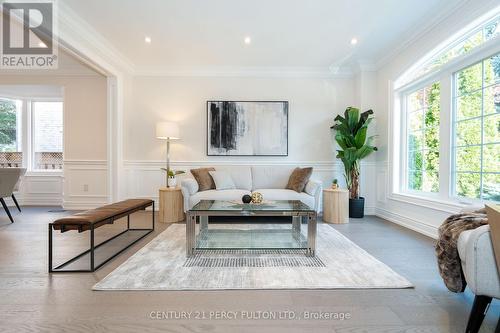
(410, 223)
(33, 201)
(370, 211)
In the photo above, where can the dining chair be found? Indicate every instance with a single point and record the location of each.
(16, 188)
(8, 180)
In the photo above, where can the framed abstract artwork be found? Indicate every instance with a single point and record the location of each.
(247, 128)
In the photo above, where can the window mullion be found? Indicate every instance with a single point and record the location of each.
(445, 136)
(482, 133)
(25, 133)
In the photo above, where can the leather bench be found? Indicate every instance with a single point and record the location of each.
(92, 219)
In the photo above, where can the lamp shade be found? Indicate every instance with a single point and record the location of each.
(167, 130)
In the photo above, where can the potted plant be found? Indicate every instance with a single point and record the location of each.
(171, 174)
(351, 136)
(335, 184)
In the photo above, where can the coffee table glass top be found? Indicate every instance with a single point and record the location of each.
(238, 206)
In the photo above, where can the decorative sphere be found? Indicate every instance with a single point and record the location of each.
(257, 197)
(246, 198)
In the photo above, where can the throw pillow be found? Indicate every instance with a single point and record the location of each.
(222, 180)
(298, 179)
(203, 178)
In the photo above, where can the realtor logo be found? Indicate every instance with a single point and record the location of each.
(28, 35)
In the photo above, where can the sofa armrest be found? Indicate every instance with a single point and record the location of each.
(313, 188)
(479, 265)
(189, 186)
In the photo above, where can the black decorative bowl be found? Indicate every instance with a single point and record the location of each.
(246, 198)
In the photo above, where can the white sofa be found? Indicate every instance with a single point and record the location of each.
(268, 180)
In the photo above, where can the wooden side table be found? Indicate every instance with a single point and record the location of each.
(335, 205)
(171, 205)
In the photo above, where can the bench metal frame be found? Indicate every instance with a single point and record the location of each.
(91, 250)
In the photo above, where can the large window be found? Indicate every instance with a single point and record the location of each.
(47, 129)
(449, 148)
(477, 130)
(423, 138)
(31, 134)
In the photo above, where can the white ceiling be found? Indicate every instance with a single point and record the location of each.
(197, 34)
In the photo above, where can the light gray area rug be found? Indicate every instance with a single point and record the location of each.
(162, 265)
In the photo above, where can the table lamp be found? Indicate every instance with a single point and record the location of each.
(167, 131)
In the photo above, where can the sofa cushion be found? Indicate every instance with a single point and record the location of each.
(271, 177)
(222, 180)
(283, 194)
(242, 176)
(217, 195)
(298, 179)
(205, 181)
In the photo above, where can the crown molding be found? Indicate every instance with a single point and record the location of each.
(80, 39)
(267, 72)
(51, 73)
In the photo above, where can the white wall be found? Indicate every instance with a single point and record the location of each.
(420, 215)
(84, 180)
(313, 103)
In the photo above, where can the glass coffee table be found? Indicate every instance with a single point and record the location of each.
(202, 235)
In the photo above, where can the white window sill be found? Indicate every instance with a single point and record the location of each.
(448, 206)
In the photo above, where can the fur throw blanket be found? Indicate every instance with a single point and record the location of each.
(446, 247)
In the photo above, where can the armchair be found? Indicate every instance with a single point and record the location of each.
(478, 264)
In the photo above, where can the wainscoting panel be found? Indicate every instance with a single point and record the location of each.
(39, 189)
(85, 184)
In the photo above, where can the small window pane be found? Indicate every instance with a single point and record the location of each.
(432, 138)
(11, 154)
(491, 158)
(415, 180)
(468, 132)
(468, 159)
(468, 185)
(492, 99)
(492, 29)
(48, 135)
(492, 70)
(416, 101)
(430, 182)
(431, 161)
(416, 120)
(492, 129)
(415, 160)
(469, 105)
(470, 79)
(415, 141)
(491, 187)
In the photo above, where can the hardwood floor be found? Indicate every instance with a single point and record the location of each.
(31, 300)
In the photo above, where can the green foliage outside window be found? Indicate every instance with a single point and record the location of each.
(7, 126)
(423, 139)
(477, 130)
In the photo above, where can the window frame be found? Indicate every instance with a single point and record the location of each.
(444, 198)
(27, 126)
(405, 134)
(31, 119)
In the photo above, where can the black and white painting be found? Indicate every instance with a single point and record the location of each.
(247, 128)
